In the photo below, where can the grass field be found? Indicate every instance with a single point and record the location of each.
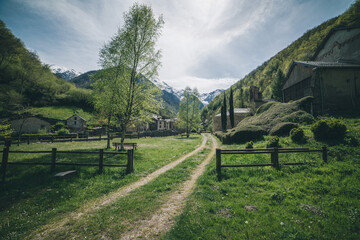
(32, 197)
(316, 201)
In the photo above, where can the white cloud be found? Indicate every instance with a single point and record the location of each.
(206, 44)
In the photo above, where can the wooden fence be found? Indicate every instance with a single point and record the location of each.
(85, 138)
(129, 165)
(274, 152)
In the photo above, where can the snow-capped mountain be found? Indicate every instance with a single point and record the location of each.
(64, 72)
(207, 97)
(165, 87)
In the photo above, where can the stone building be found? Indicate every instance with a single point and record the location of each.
(166, 124)
(76, 123)
(239, 114)
(29, 125)
(255, 98)
(333, 77)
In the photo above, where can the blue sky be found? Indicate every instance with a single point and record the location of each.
(208, 44)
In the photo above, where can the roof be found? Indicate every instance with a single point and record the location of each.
(322, 44)
(236, 110)
(326, 64)
(75, 115)
(315, 64)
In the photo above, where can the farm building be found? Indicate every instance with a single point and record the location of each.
(333, 78)
(29, 125)
(239, 114)
(76, 123)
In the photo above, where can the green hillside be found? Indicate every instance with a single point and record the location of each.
(26, 82)
(303, 49)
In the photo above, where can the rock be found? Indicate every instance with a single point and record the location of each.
(251, 208)
(65, 174)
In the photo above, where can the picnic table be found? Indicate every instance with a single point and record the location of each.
(117, 145)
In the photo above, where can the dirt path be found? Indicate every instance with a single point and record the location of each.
(163, 219)
(44, 231)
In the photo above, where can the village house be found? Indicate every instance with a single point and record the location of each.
(166, 124)
(239, 114)
(333, 77)
(29, 125)
(76, 123)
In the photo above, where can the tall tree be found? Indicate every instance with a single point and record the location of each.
(277, 85)
(241, 98)
(130, 59)
(189, 110)
(224, 114)
(231, 109)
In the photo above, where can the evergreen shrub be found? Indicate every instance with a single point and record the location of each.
(249, 145)
(273, 142)
(297, 135)
(328, 129)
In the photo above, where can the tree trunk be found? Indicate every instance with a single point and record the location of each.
(123, 131)
(108, 132)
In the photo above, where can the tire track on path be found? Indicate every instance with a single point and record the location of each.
(163, 219)
(43, 232)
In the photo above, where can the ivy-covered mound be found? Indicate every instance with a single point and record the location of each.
(273, 118)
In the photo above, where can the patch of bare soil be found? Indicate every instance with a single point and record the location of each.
(44, 231)
(163, 219)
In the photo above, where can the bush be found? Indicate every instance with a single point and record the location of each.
(63, 132)
(249, 145)
(273, 142)
(244, 134)
(58, 126)
(329, 128)
(299, 116)
(282, 129)
(297, 135)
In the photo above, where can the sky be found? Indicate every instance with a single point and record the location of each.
(207, 44)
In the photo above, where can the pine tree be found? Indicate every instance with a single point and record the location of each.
(224, 115)
(231, 109)
(241, 98)
(277, 85)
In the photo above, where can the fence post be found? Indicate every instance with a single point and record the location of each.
(324, 153)
(28, 140)
(4, 163)
(276, 158)
(218, 161)
(101, 160)
(130, 161)
(53, 159)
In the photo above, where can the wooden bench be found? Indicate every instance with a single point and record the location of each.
(183, 135)
(117, 145)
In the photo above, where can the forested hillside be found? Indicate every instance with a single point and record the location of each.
(25, 82)
(302, 49)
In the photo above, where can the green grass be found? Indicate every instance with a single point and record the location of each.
(62, 112)
(118, 218)
(316, 201)
(32, 197)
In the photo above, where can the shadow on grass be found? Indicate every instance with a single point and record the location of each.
(37, 182)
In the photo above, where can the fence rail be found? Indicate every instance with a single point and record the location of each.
(274, 152)
(129, 165)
